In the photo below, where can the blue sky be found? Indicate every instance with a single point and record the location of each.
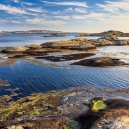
(73, 16)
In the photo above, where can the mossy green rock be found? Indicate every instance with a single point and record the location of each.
(99, 105)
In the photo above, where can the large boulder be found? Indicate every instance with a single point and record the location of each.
(122, 42)
(84, 47)
(114, 116)
(77, 43)
(102, 42)
(33, 46)
(15, 49)
(83, 34)
(65, 44)
(100, 62)
(110, 37)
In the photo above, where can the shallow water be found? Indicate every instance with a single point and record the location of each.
(42, 76)
(121, 52)
(31, 78)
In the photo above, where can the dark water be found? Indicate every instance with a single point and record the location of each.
(31, 78)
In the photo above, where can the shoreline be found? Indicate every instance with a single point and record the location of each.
(63, 106)
(73, 107)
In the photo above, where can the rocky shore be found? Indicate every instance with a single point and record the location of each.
(107, 33)
(55, 35)
(71, 108)
(73, 44)
(83, 45)
(115, 116)
(100, 62)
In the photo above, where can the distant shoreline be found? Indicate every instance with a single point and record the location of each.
(113, 32)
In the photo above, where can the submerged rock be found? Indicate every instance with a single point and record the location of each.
(99, 62)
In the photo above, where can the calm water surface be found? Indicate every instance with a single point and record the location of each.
(26, 39)
(31, 78)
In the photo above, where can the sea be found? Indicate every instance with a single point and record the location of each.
(39, 75)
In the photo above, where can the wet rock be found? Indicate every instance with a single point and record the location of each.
(15, 49)
(77, 43)
(121, 122)
(83, 34)
(115, 116)
(33, 46)
(19, 56)
(15, 127)
(102, 42)
(84, 47)
(66, 57)
(111, 37)
(99, 62)
(4, 83)
(122, 42)
(55, 35)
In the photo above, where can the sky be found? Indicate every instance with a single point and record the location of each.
(70, 16)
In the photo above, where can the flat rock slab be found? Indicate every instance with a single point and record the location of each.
(66, 57)
(99, 62)
(30, 53)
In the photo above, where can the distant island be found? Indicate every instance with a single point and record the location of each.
(105, 33)
(33, 32)
(79, 34)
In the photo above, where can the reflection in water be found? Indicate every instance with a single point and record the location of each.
(31, 78)
(31, 75)
(120, 52)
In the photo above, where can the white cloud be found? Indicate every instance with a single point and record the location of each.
(62, 17)
(39, 21)
(95, 15)
(27, 3)
(16, 1)
(16, 22)
(79, 17)
(115, 7)
(56, 12)
(65, 3)
(80, 10)
(3, 21)
(9, 21)
(91, 16)
(38, 10)
(11, 9)
(69, 9)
